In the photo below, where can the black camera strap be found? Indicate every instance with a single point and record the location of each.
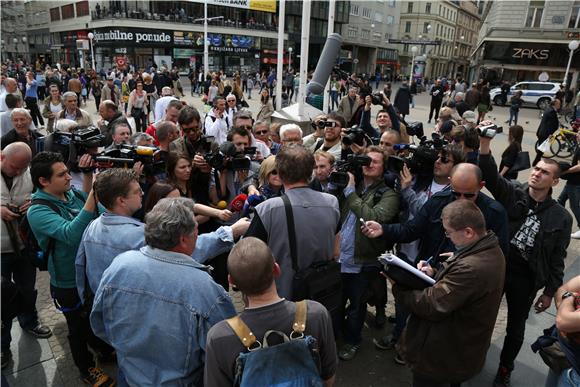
(291, 231)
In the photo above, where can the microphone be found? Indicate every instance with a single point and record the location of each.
(325, 64)
(238, 203)
(400, 147)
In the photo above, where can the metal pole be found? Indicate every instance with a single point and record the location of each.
(205, 46)
(411, 73)
(326, 94)
(280, 56)
(568, 69)
(304, 41)
(93, 56)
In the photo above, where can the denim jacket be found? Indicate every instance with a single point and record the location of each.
(110, 235)
(155, 308)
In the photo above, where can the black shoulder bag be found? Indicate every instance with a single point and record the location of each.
(320, 281)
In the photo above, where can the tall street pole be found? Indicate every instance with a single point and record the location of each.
(205, 45)
(326, 94)
(304, 41)
(280, 56)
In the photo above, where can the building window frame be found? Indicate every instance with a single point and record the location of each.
(408, 27)
(535, 16)
(574, 21)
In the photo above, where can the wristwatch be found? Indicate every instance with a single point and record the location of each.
(567, 294)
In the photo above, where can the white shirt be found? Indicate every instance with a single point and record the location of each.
(161, 105)
(216, 127)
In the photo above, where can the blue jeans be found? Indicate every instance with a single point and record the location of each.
(571, 192)
(24, 275)
(513, 116)
(568, 378)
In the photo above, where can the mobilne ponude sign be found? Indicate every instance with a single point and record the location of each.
(133, 35)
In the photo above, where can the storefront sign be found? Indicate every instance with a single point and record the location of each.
(185, 53)
(229, 49)
(418, 42)
(256, 5)
(136, 36)
(526, 53)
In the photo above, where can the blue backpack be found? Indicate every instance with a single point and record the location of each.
(291, 363)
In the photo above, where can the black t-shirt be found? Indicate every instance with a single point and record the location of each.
(508, 159)
(574, 178)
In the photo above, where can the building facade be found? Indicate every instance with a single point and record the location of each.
(14, 28)
(466, 37)
(365, 46)
(523, 40)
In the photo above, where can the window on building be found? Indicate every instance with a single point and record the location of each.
(391, 3)
(438, 30)
(353, 9)
(575, 16)
(365, 34)
(82, 8)
(378, 17)
(439, 10)
(426, 27)
(54, 14)
(428, 8)
(535, 12)
(366, 13)
(408, 26)
(387, 36)
(352, 32)
(410, 8)
(377, 36)
(390, 19)
(68, 11)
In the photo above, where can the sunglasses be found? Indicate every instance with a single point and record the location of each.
(467, 195)
(261, 132)
(274, 172)
(247, 127)
(190, 129)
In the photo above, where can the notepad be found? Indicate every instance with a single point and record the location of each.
(404, 274)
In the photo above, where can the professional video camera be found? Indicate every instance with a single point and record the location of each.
(422, 157)
(339, 177)
(125, 156)
(81, 140)
(415, 128)
(354, 135)
(227, 157)
(489, 131)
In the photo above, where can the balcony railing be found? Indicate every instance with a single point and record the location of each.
(176, 18)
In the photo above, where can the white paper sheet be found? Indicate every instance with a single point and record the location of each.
(391, 259)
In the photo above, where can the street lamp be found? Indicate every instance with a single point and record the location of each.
(573, 46)
(91, 36)
(289, 58)
(15, 40)
(414, 50)
(205, 45)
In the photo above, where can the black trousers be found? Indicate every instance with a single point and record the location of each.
(32, 105)
(435, 106)
(80, 334)
(520, 292)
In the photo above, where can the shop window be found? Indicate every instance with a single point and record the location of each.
(535, 12)
(82, 8)
(575, 16)
(68, 11)
(55, 14)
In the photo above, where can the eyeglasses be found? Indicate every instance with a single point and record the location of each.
(261, 132)
(274, 172)
(190, 129)
(231, 100)
(444, 159)
(247, 127)
(466, 195)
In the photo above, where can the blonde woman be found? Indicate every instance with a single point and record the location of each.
(266, 110)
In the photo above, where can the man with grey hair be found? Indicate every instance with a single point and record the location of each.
(290, 134)
(21, 120)
(181, 302)
(10, 87)
(460, 104)
(71, 111)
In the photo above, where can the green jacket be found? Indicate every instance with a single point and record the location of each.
(66, 229)
(363, 206)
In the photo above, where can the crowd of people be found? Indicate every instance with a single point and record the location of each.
(142, 258)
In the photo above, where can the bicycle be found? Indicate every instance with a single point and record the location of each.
(563, 142)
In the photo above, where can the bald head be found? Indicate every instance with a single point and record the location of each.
(15, 159)
(251, 266)
(466, 181)
(11, 85)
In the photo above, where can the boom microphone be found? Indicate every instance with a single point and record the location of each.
(325, 64)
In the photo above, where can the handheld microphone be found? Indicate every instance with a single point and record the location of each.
(238, 203)
(400, 147)
(325, 64)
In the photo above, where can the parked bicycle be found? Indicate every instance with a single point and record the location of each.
(563, 143)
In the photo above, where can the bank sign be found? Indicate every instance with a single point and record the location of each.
(254, 5)
(526, 53)
(133, 37)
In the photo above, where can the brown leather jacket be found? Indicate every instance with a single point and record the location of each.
(451, 323)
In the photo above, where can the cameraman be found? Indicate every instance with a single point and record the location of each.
(317, 125)
(121, 135)
(415, 192)
(386, 118)
(370, 200)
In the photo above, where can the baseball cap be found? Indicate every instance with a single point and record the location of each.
(469, 116)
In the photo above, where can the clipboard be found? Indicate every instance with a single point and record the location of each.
(404, 274)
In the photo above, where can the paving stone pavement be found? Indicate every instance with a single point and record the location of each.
(38, 363)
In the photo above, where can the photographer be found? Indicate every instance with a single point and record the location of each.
(371, 200)
(386, 118)
(468, 139)
(110, 116)
(76, 210)
(193, 144)
(318, 126)
(331, 141)
(539, 236)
